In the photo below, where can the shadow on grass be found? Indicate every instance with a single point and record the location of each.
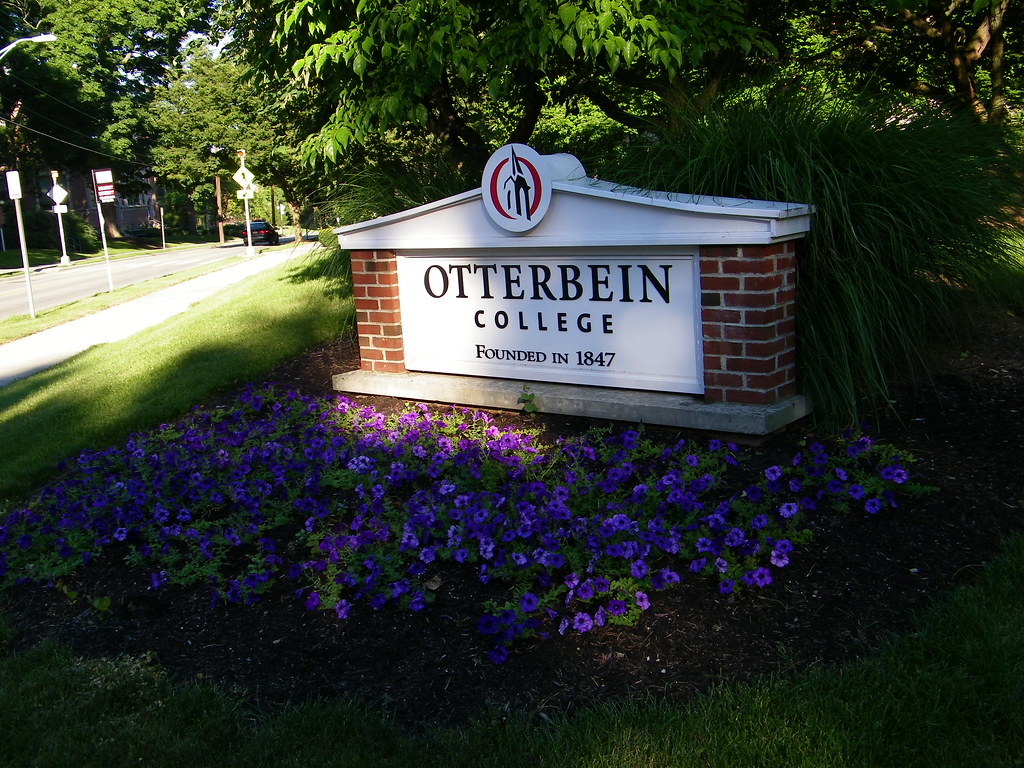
(100, 396)
(328, 265)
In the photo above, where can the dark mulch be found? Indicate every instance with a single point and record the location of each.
(861, 580)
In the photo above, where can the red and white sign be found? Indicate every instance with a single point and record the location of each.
(104, 180)
(516, 188)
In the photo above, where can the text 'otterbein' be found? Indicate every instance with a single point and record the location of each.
(623, 283)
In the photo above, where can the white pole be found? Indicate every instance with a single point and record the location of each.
(249, 252)
(103, 237)
(163, 231)
(24, 256)
(64, 258)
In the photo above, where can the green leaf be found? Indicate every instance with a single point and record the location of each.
(359, 64)
(567, 14)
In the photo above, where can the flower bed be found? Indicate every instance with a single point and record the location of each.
(360, 511)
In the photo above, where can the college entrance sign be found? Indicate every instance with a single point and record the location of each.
(546, 276)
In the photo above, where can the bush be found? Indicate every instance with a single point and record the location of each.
(41, 232)
(914, 224)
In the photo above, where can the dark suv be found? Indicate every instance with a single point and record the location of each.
(262, 232)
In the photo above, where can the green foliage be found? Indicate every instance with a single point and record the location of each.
(41, 232)
(913, 228)
(385, 66)
(84, 96)
(962, 55)
(528, 399)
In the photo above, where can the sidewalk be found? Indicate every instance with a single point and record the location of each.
(42, 350)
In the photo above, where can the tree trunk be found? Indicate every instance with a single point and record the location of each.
(111, 226)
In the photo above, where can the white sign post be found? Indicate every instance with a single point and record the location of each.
(58, 194)
(244, 178)
(14, 192)
(103, 186)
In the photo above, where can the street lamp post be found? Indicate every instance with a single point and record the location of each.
(36, 39)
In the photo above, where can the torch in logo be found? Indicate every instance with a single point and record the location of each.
(517, 188)
(516, 191)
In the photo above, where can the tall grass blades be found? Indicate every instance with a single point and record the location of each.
(914, 225)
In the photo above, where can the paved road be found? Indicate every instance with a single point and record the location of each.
(56, 285)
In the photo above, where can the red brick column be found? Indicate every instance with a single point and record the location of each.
(748, 313)
(378, 312)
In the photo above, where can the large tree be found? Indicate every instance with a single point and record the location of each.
(962, 54)
(459, 69)
(208, 110)
(86, 94)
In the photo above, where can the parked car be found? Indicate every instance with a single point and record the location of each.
(262, 232)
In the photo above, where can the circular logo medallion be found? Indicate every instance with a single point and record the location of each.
(516, 188)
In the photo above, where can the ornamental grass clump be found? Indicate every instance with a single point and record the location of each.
(355, 510)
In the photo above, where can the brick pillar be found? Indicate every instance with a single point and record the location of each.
(748, 312)
(378, 312)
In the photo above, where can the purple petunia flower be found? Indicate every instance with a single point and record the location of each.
(487, 624)
(312, 601)
(616, 607)
(642, 601)
(759, 577)
(528, 602)
(498, 654)
(779, 559)
(773, 473)
(582, 622)
(788, 509)
(895, 474)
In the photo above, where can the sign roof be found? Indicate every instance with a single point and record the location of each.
(585, 212)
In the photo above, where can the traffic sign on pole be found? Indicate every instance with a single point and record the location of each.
(103, 185)
(58, 194)
(104, 180)
(14, 192)
(244, 178)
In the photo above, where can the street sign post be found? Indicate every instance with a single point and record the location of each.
(244, 178)
(58, 194)
(14, 192)
(103, 186)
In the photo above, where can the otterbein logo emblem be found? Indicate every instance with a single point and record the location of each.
(516, 188)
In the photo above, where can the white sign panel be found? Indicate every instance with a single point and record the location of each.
(14, 185)
(614, 320)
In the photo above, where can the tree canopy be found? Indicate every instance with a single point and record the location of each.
(473, 74)
(85, 95)
(452, 66)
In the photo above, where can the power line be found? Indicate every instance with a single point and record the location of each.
(79, 146)
(49, 96)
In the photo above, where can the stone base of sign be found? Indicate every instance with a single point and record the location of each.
(630, 406)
